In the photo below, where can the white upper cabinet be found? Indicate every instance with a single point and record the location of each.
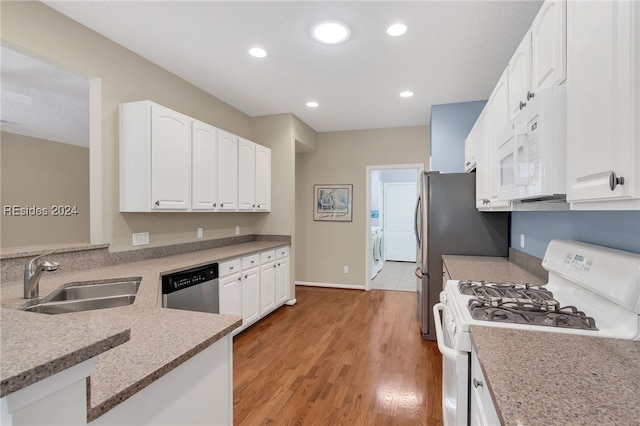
(520, 76)
(548, 46)
(481, 141)
(228, 171)
(540, 60)
(155, 158)
(497, 121)
(246, 175)
(263, 178)
(603, 102)
(470, 150)
(204, 150)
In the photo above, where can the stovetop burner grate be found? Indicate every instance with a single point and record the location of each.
(521, 304)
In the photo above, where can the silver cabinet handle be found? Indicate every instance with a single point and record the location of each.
(522, 105)
(221, 204)
(615, 181)
(157, 203)
(214, 204)
(530, 95)
(477, 383)
(231, 268)
(468, 163)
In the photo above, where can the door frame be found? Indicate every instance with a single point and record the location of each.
(367, 212)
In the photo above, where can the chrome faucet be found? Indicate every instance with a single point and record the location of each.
(32, 271)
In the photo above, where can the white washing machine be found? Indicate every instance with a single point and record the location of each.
(377, 249)
(374, 249)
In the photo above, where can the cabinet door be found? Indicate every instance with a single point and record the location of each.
(470, 149)
(519, 76)
(603, 143)
(170, 159)
(498, 119)
(482, 409)
(204, 164)
(482, 160)
(548, 45)
(230, 290)
(250, 295)
(282, 281)
(246, 175)
(227, 171)
(267, 288)
(263, 178)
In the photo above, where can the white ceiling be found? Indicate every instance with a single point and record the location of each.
(453, 51)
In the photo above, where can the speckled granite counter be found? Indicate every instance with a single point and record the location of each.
(29, 354)
(498, 269)
(158, 341)
(539, 378)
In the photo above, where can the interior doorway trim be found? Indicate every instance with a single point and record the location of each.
(420, 168)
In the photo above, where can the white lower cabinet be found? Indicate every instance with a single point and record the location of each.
(254, 285)
(282, 275)
(250, 290)
(482, 410)
(267, 282)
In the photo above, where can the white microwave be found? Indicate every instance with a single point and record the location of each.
(532, 150)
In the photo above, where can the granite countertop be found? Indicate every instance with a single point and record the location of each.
(487, 268)
(158, 341)
(539, 378)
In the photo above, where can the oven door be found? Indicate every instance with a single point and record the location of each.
(455, 370)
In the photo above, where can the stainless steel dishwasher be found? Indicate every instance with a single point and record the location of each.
(193, 289)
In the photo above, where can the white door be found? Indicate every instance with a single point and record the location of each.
(246, 175)
(227, 171)
(204, 190)
(399, 206)
(170, 159)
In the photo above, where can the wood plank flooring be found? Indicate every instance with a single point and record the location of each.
(338, 357)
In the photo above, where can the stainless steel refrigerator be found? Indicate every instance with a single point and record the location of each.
(447, 222)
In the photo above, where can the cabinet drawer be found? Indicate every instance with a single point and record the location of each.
(268, 256)
(282, 252)
(229, 267)
(250, 261)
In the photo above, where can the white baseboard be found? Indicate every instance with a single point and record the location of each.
(291, 302)
(330, 285)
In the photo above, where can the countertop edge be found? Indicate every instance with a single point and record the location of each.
(40, 372)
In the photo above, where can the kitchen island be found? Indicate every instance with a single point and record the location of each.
(160, 339)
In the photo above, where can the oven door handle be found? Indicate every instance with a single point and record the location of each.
(447, 352)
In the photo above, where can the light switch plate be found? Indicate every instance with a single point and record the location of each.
(237, 230)
(199, 232)
(140, 238)
(521, 240)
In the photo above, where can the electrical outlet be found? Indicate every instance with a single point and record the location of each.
(199, 232)
(521, 240)
(346, 269)
(237, 230)
(140, 238)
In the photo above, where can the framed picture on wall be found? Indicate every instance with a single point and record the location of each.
(332, 203)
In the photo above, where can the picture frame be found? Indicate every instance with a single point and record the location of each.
(333, 203)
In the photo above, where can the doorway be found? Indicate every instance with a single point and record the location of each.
(390, 245)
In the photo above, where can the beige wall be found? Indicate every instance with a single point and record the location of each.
(323, 248)
(33, 28)
(42, 174)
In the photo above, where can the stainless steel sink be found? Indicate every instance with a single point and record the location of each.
(78, 297)
(80, 305)
(92, 291)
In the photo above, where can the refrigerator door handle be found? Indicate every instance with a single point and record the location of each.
(415, 220)
(418, 273)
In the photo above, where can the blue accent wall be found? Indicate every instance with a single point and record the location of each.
(615, 229)
(450, 126)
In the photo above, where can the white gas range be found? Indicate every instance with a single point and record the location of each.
(592, 291)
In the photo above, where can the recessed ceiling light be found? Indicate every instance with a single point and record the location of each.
(257, 52)
(312, 104)
(397, 30)
(406, 94)
(330, 32)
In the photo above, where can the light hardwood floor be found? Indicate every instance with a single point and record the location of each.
(338, 357)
